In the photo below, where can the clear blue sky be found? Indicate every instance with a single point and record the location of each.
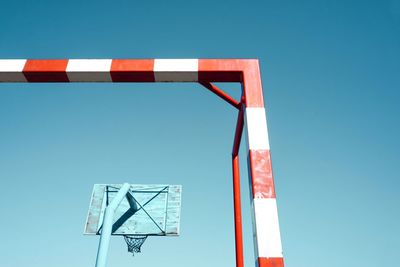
(331, 75)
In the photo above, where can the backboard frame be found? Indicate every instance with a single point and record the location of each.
(251, 117)
(156, 220)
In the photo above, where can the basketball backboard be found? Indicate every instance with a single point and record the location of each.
(146, 210)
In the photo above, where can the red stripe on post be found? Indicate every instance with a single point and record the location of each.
(46, 70)
(132, 70)
(219, 70)
(261, 174)
(252, 84)
(270, 262)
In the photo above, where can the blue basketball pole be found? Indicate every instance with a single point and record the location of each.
(106, 231)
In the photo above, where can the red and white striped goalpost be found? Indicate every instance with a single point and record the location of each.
(267, 240)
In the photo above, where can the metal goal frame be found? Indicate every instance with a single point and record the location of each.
(251, 117)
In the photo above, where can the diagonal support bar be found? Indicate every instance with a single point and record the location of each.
(221, 94)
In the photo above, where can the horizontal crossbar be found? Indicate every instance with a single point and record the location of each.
(121, 70)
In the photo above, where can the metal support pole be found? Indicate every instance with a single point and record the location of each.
(237, 212)
(107, 226)
(236, 191)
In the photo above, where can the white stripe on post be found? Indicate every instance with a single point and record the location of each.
(11, 70)
(267, 228)
(176, 70)
(89, 70)
(257, 132)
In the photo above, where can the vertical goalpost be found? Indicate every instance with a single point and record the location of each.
(251, 114)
